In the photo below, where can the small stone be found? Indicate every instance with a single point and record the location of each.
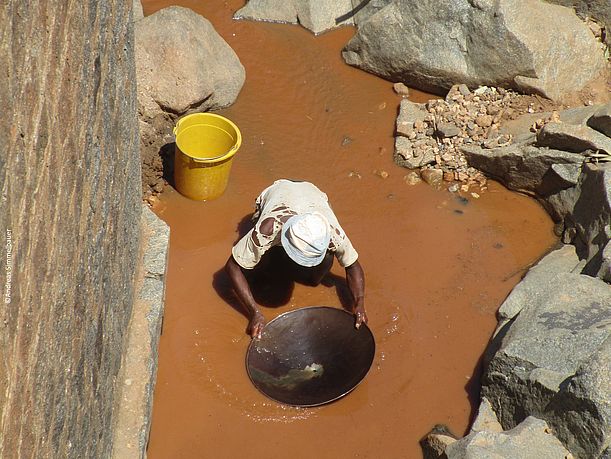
(381, 173)
(419, 126)
(464, 89)
(484, 121)
(412, 178)
(346, 141)
(493, 110)
(405, 128)
(464, 188)
(446, 130)
(382, 106)
(401, 89)
(448, 176)
(354, 174)
(453, 188)
(475, 195)
(433, 177)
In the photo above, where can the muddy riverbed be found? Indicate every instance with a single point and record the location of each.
(437, 267)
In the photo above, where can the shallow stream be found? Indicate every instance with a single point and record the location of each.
(437, 266)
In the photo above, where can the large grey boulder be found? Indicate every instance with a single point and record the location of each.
(525, 168)
(531, 439)
(551, 358)
(601, 120)
(528, 45)
(183, 64)
(597, 9)
(587, 219)
(543, 275)
(569, 137)
(315, 15)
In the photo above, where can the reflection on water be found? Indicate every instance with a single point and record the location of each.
(436, 267)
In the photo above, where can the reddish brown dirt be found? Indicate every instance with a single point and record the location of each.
(436, 268)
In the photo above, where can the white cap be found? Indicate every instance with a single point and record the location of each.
(305, 238)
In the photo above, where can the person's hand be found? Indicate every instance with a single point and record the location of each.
(360, 316)
(256, 325)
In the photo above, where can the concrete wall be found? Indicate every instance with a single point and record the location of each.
(69, 222)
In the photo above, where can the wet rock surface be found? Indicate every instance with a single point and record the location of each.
(533, 46)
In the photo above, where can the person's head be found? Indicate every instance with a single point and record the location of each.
(305, 238)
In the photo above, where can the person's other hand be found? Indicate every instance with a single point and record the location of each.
(256, 325)
(360, 315)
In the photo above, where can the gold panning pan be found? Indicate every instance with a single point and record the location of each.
(310, 356)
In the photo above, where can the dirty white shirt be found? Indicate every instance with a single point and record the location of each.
(281, 201)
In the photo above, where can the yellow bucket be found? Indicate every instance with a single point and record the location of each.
(205, 146)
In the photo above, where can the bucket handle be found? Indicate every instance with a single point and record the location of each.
(207, 160)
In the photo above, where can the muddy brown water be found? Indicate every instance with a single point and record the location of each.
(436, 267)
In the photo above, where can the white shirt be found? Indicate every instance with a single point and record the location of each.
(279, 202)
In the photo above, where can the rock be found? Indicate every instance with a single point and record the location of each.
(601, 120)
(523, 168)
(365, 9)
(71, 199)
(591, 215)
(139, 369)
(412, 178)
(597, 9)
(410, 119)
(543, 275)
(530, 46)
(433, 177)
(464, 89)
(137, 11)
(446, 130)
(182, 64)
(434, 445)
(404, 154)
(604, 272)
(401, 89)
(578, 116)
(569, 137)
(486, 419)
(551, 360)
(531, 439)
(315, 15)
(484, 121)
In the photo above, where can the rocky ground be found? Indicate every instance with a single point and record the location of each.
(429, 136)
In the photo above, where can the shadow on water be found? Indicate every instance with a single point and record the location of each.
(273, 280)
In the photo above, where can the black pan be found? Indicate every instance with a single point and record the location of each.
(310, 356)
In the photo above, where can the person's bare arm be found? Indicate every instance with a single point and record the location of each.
(356, 283)
(242, 290)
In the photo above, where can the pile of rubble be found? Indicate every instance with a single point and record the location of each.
(429, 136)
